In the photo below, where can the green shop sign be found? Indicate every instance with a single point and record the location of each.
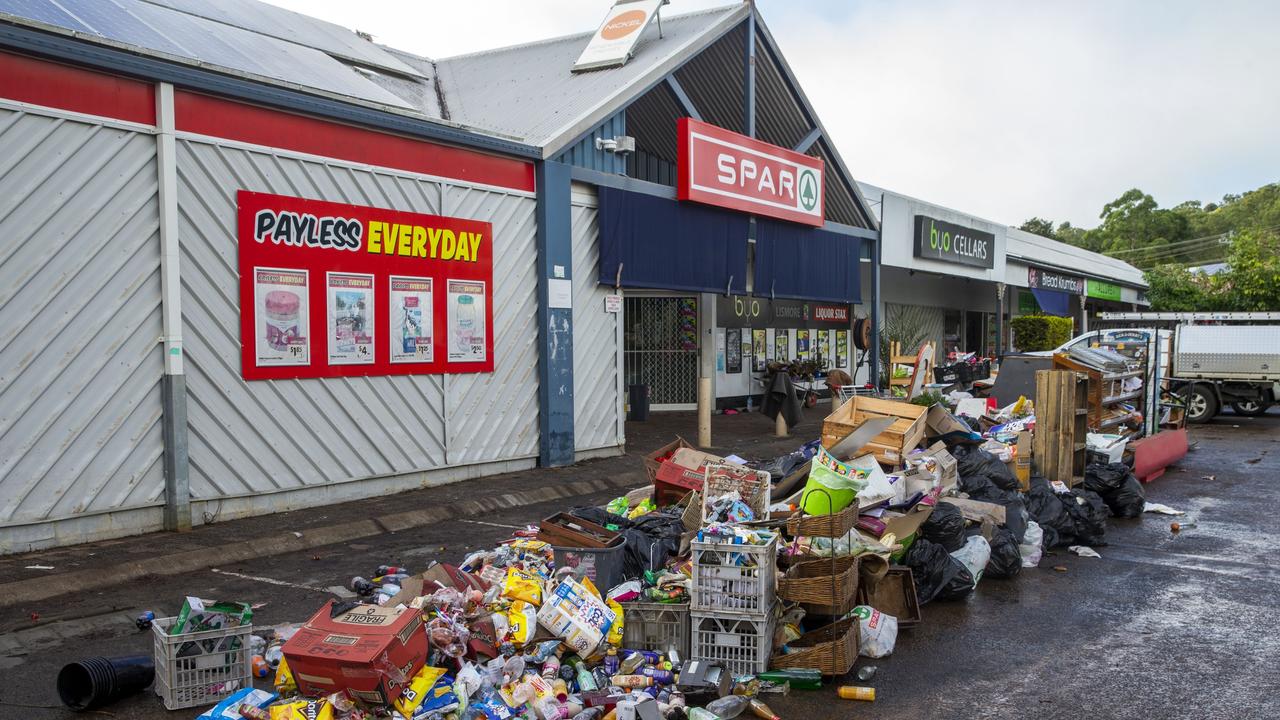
(1102, 290)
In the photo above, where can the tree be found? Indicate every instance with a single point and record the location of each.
(1250, 282)
(1038, 226)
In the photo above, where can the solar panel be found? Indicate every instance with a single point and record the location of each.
(41, 11)
(285, 24)
(106, 18)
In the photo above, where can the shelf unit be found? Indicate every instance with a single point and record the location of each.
(1058, 445)
(1105, 392)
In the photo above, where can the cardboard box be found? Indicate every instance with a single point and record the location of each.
(978, 511)
(578, 618)
(371, 651)
(939, 422)
(653, 461)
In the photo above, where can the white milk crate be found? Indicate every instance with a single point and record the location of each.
(733, 578)
(744, 644)
(200, 668)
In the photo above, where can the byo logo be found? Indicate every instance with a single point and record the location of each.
(808, 190)
(742, 309)
(623, 25)
(939, 239)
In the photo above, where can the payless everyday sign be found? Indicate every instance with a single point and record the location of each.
(948, 242)
(723, 168)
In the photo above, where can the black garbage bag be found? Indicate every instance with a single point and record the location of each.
(1119, 489)
(652, 539)
(980, 488)
(1047, 509)
(932, 568)
(1006, 561)
(976, 461)
(945, 527)
(1088, 515)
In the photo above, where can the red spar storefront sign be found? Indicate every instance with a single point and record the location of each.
(329, 290)
(719, 167)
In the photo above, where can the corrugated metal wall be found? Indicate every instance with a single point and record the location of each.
(584, 153)
(268, 436)
(80, 363)
(597, 344)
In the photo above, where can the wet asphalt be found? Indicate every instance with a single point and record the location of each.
(1165, 625)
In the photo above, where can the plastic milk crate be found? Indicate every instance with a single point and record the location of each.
(200, 668)
(736, 579)
(656, 626)
(741, 642)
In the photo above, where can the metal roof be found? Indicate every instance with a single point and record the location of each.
(1036, 250)
(529, 92)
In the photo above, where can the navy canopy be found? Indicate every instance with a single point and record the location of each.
(1053, 302)
(805, 263)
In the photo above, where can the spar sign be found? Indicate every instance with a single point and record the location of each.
(719, 167)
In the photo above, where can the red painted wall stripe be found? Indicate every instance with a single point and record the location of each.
(207, 115)
(40, 82)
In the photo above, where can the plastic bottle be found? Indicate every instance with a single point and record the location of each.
(274, 655)
(800, 678)
(697, 713)
(591, 713)
(561, 689)
(600, 676)
(762, 711)
(260, 667)
(611, 661)
(660, 676)
(551, 668)
(513, 669)
(586, 682)
(855, 692)
(392, 570)
(630, 664)
(631, 681)
(360, 586)
(728, 707)
(144, 620)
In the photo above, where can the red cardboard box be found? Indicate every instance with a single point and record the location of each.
(369, 650)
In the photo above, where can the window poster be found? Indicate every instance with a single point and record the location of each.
(280, 304)
(350, 301)
(720, 341)
(733, 350)
(782, 345)
(758, 344)
(410, 319)
(802, 344)
(842, 348)
(466, 320)
(824, 345)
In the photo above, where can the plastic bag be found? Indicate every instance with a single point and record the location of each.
(976, 461)
(973, 559)
(1047, 509)
(932, 568)
(1119, 489)
(1006, 560)
(878, 632)
(1088, 514)
(945, 527)
(1030, 548)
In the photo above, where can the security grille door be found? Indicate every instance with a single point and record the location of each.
(661, 348)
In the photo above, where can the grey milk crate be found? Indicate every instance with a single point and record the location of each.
(200, 668)
(741, 642)
(730, 578)
(656, 626)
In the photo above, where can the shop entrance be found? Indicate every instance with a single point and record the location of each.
(660, 349)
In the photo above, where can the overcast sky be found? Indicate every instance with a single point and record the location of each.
(1004, 109)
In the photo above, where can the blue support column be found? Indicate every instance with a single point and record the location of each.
(750, 94)
(555, 325)
(873, 372)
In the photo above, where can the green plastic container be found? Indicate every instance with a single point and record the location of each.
(832, 485)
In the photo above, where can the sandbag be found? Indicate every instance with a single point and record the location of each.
(945, 527)
(1119, 489)
(932, 568)
(976, 461)
(1006, 559)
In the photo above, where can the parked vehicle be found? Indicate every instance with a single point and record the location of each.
(1220, 360)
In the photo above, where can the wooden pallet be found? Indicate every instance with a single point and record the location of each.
(1058, 445)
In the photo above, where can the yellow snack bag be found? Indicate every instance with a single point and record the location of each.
(303, 710)
(590, 586)
(285, 685)
(614, 637)
(419, 686)
(522, 622)
(521, 585)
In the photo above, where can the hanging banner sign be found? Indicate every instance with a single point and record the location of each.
(723, 168)
(329, 289)
(748, 311)
(1048, 280)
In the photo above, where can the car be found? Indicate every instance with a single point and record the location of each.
(1135, 335)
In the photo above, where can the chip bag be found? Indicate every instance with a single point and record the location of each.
(284, 682)
(418, 689)
(522, 622)
(520, 585)
(303, 710)
(614, 637)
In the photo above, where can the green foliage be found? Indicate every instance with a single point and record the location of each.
(1038, 226)
(1175, 289)
(1250, 283)
(928, 398)
(908, 325)
(1032, 333)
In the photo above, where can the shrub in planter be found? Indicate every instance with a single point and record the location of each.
(1041, 332)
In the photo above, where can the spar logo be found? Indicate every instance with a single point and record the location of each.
(623, 25)
(808, 190)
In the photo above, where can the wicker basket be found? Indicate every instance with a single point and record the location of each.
(828, 526)
(824, 586)
(833, 649)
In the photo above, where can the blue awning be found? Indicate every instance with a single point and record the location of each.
(804, 263)
(1053, 302)
(667, 245)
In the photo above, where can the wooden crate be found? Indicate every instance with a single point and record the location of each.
(890, 446)
(1058, 445)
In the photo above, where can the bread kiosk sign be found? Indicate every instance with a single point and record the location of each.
(723, 168)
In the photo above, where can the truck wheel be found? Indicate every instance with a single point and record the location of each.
(1202, 404)
(1250, 408)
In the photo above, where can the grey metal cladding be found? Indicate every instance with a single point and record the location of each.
(595, 342)
(80, 360)
(253, 438)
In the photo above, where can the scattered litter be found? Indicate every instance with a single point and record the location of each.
(1059, 568)
(297, 534)
(39, 567)
(1084, 551)
(866, 672)
(1162, 509)
(1178, 527)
